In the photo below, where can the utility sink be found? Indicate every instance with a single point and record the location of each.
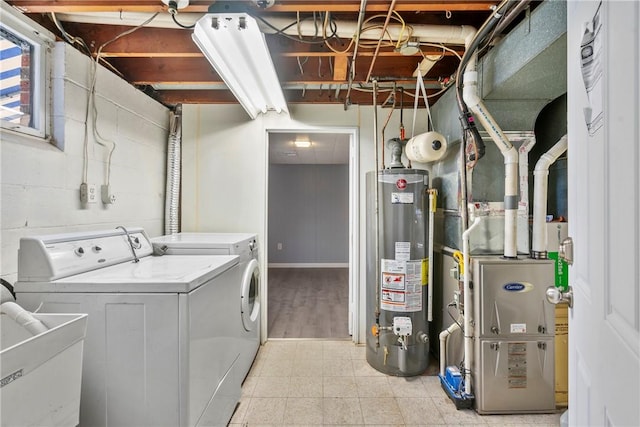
(41, 374)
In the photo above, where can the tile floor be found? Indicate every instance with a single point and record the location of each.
(311, 382)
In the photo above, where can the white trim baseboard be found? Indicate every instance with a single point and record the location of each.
(308, 265)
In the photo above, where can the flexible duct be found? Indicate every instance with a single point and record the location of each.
(23, 318)
(172, 196)
(540, 186)
(468, 304)
(510, 154)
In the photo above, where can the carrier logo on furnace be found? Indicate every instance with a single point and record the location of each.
(517, 287)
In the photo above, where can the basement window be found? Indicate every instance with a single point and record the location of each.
(23, 76)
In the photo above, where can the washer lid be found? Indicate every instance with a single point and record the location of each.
(166, 274)
(203, 240)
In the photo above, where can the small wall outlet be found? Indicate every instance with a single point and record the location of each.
(107, 197)
(88, 193)
(279, 245)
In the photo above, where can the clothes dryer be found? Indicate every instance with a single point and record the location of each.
(157, 351)
(245, 322)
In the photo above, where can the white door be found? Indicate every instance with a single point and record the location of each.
(604, 210)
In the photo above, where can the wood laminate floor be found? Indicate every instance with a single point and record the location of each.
(308, 303)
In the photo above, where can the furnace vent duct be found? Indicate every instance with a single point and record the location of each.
(172, 196)
(541, 174)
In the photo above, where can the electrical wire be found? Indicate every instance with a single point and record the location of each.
(108, 144)
(281, 31)
(186, 27)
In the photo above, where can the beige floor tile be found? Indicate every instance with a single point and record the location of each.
(249, 385)
(281, 349)
(359, 351)
(373, 387)
(305, 387)
(307, 368)
(339, 387)
(380, 410)
(419, 410)
(276, 368)
(451, 415)
(256, 367)
(362, 369)
(301, 411)
(341, 411)
(432, 385)
(337, 350)
(241, 411)
(272, 387)
(337, 368)
(267, 410)
(407, 387)
(309, 350)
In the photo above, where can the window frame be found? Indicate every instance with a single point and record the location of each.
(42, 41)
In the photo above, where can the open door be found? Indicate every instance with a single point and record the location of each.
(604, 206)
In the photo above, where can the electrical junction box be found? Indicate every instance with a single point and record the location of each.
(402, 326)
(556, 233)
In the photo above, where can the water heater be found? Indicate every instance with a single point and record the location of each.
(397, 265)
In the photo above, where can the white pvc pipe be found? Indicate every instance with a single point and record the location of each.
(432, 208)
(523, 168)
(444, 335)
(540, 185)
(468, 310)
(23, 318)
(448, 34)
(473, 101)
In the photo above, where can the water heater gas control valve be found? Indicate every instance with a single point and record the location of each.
(402, 326)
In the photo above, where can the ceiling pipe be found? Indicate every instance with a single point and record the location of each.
(446, 34)
(352, 70)
(384, 29)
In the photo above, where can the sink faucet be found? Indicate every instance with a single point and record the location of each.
(133, 250)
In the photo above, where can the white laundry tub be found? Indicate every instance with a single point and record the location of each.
(41, 374)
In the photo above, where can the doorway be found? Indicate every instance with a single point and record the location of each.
(311, 234)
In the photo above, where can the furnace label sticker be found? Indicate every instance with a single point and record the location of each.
(401, 198)
(401, 285)
(517, 364)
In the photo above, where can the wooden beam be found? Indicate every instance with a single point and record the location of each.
(373, 6)
(340, 68)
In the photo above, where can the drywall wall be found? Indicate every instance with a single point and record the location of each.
(308, 215)
(225, 167)
(41, 183)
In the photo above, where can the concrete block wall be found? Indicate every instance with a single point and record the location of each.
(40, 182)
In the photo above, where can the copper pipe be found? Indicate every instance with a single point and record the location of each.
(352, 71)
(384, 29)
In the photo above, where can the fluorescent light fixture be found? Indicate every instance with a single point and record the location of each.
(236, 48)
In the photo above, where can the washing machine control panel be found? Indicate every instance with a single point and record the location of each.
(53, 257)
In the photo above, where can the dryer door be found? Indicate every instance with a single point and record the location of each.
(250, 301)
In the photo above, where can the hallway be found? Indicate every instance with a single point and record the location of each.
(308, 303)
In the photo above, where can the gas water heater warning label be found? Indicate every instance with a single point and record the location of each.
(401, 285)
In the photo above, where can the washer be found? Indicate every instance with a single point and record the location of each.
(157, 351)
(246, 320)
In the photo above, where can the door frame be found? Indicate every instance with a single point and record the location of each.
(354, 233)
